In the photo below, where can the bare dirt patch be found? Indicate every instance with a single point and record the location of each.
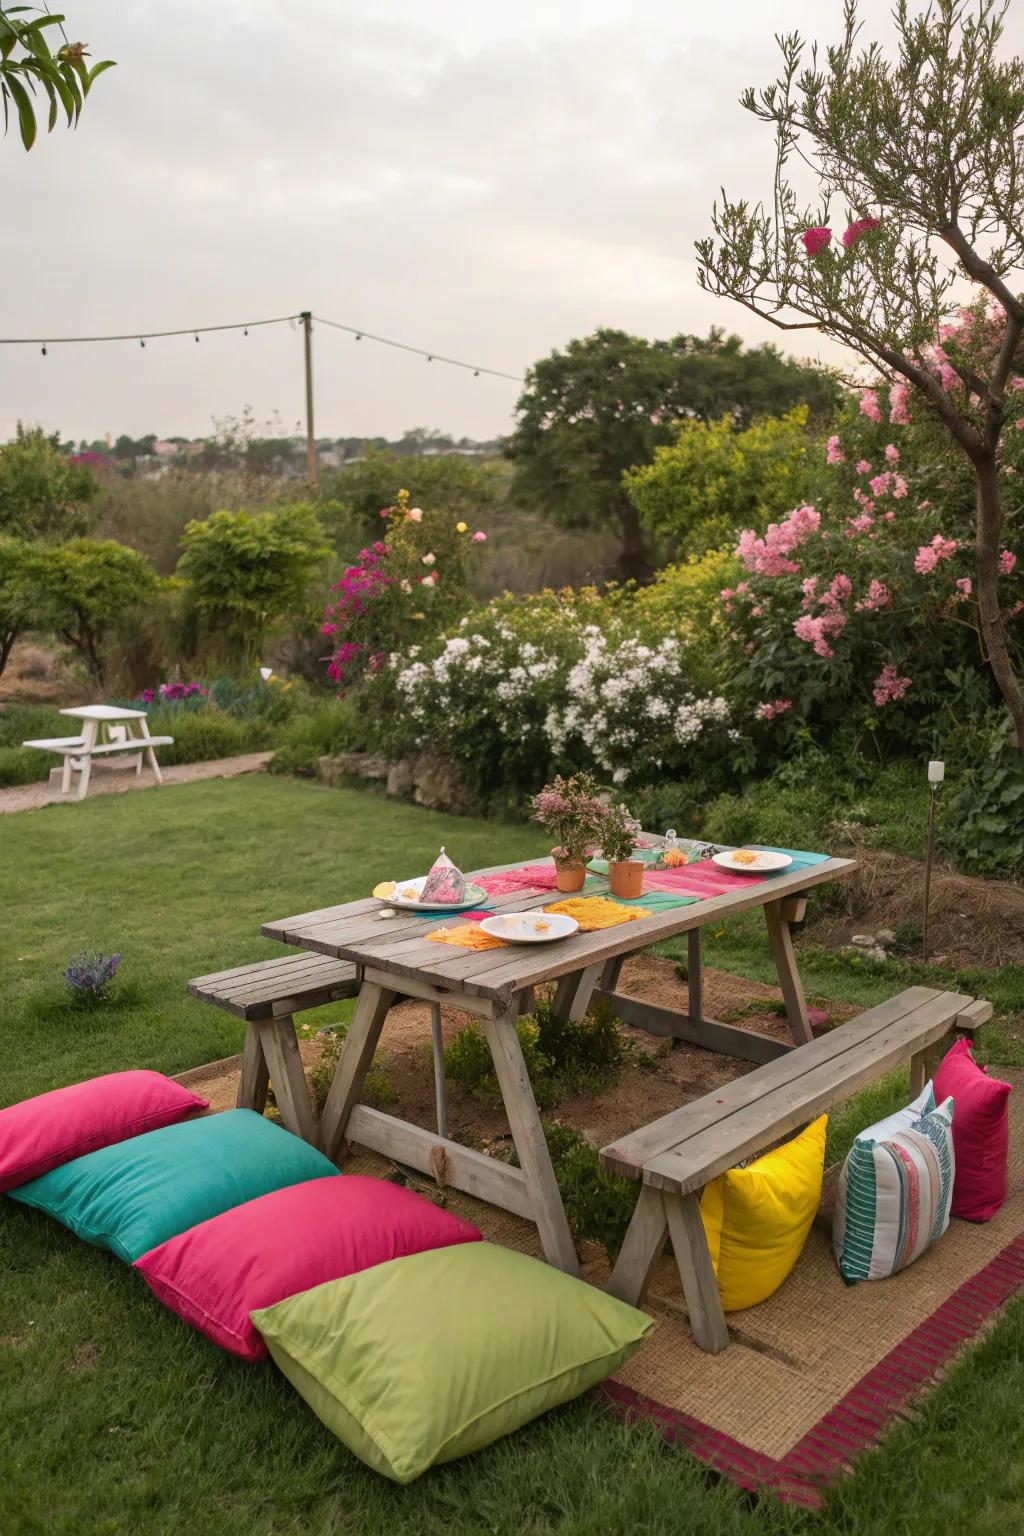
(972, 921)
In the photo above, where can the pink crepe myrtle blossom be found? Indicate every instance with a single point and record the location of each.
(834, 454)
(479, 538)
(818, 630)
(857, 230)
(769, 556)
(1017, 382)
(899, 487)
(888, 517)
(892, 453)
(869, 406)
(815, 240)
(1007, 561)
(863, 467)
(840, 587)
(877, 596)
(880, 483)
(889, 686)
(964, 587)
(899, 416)
(773, 710)
(859, 524)
(929, 555)
(863, 500)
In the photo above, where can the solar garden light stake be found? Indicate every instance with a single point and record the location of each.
(936, 774)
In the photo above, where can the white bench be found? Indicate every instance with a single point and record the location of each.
(79, 751)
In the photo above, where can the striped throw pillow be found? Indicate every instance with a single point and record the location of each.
(895, 1190)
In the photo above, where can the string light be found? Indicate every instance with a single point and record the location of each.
(196, 332)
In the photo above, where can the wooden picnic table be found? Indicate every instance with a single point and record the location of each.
(395, 959)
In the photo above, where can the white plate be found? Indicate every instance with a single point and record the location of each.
(760, 864)
(521, 927)
(475, 894)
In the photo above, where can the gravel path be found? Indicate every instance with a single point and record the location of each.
(30, 797)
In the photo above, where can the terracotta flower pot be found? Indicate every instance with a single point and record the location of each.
(626, 878)
(570, 874)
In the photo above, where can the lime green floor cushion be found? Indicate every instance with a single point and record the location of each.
(429, 1357)
(134, 1195)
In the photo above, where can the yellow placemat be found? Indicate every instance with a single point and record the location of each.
(593, 912)
(467, 936)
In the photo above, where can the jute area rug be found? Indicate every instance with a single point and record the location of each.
(813, 1375)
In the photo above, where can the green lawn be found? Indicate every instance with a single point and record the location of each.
(115, 1418)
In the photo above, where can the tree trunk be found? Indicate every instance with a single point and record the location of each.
(634, 559)
(7, 639)
(993, 628)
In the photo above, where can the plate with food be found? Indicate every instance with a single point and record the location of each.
(529, 927)
(751, 861)
(407, 896)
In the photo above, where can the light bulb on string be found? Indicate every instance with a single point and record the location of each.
(245, 331)
(430, 358)
(43, 349)
(476, 373)
(141, 342)
(359, 336)
(196, 339)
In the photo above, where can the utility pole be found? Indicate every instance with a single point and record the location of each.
(307, 336)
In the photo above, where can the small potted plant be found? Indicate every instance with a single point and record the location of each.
(618, 838)
(572, 811)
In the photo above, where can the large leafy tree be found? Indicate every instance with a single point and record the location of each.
(43, 494)
(30, 68)
(604, 404)
(920, 155)
(18, 564)
(714, 480)
(249, 570)
(83, 589)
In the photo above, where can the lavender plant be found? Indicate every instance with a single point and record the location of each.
(88, 974)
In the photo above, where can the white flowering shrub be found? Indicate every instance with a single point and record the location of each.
(524, 688)
(630, 710)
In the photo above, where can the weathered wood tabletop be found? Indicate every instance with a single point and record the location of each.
(397, 959)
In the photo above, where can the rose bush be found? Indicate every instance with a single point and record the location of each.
(408, 585)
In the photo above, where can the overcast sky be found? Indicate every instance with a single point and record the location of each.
(487, 180)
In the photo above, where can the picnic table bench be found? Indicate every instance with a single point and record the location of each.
(676, 1155)
(118, 737)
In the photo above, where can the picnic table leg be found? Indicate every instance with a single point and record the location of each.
(694, 977)
(573, 993)
(528, 1136)
(789, 976)
(644, 1245)
(150, 754)
(281, 1050)
(356, 1055)
(690, 1246)
(89, 729)
(440, 1094)
(65, 782)
(255, 1075)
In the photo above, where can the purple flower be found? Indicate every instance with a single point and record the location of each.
(87, 974)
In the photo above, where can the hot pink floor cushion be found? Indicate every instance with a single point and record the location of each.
(981, 1133)
(53, 1128)
(289, 1241)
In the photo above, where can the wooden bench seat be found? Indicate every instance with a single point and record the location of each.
(266, 994)
(678, 1154)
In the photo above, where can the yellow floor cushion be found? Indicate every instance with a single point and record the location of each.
(757, 1218)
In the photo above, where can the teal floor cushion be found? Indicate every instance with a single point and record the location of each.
(432, 1356)
(139, 1193)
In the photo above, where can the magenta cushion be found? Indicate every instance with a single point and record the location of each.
(289, 1241)
(42, 1133)
(981, 1133)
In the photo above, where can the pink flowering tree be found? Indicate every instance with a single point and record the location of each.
(859, 609)
(402, 589)
(919, 206)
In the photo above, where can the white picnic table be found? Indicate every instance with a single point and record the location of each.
(106, 729)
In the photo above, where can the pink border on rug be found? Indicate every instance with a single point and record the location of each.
(857, 1420)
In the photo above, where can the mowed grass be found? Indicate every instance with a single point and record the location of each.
(115, 1418)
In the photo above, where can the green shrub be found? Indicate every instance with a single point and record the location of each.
(599, 1205)
(207, 734)
(330, 727)
(983, 828)
(560, 1057)
(781, 817)
(467, 1061)
(378, 1088)
(23, 765)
